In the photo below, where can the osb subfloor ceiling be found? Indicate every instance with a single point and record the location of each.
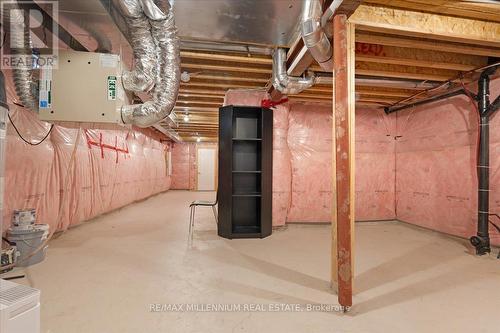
(429, 41)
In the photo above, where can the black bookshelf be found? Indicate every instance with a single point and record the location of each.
(245, 172)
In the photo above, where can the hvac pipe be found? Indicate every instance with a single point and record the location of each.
(22, 47)
(153, 37)
(288, 84)
(313, 35)
(482, 240)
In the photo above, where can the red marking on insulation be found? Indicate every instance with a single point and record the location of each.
(103, 146)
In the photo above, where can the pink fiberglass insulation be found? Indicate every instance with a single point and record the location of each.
(281, 155)
(185, 164)
(282, 167)
(310, 142)
(375, 165)
(67, 179)
(436, 166)
(181, 166)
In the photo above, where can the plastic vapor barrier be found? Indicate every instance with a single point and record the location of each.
(181, 166)
(436, 166)
(77, 174)
(310, 142)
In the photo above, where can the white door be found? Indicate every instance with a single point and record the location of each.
(206, 169)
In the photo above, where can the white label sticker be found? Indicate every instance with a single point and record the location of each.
(112, 88)
(109, 60)
(45, 89)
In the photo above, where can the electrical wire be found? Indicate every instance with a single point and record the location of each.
(28, 142)
(494, 224)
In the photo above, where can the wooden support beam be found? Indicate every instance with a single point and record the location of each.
(471, 9)
(199, 97)
(228, 78)
(303, 96)
(182, 103)
(226, 57)
(207, 91)
(404, 75)
(223, 68)
(418, 24)
(415, 62)
(380, 69)
(196, 129)
(209, 124)
(205, 114)
(178, 108)
(228, 85)
(426, 44)
(343, 155)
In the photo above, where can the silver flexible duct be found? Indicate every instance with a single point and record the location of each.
(288, 85)
(142, 77)
(153, 36)
(25, 83)
(313, 35)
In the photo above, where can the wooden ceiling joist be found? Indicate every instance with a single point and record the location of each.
(467, 9)
(205, 114)
(194, 108)
(181, 103)
(199, 121)
(428, 25)
(423, 40)
(200, 97)
(226, 68)
(226, 57)
(414, 62)
(403, 75)
(228, 78)
(227, 85)
(427, 44)
(207, 91)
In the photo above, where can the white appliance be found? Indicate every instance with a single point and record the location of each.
(19, 308)
(85, 87)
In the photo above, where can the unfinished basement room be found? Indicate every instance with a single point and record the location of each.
(196, 166)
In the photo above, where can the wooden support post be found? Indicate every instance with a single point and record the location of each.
(343, 154)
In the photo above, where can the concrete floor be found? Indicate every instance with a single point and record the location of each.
(102, 277)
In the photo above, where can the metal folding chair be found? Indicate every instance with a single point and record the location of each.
(192, 207)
